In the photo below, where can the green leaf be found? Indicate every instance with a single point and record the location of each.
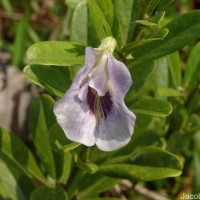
(158, 35)
(108, 10)
(51, 78)
(43, 193)
(143, 122)
(101, 25)
(97, 156)
(96, 184)
(123, 12)
(9, 187)
(89, 168)
(146, 23)
(141, 139)
(168, 92)
(25, 183)
(157, 18)
(7, 6)
(63, 162)
(175, 68)
(133, 45)
(192, 71)
(15, 150)
(41, 119)
(72, 3)
(59, 141)
(73, 186)
(196, 158)
(56, 53)
(148, 164)
(187, 29)
(162, 72)
(20, 37)
(136, 9)
(164, 4)
(152, 6)
(140, 74)
(79, 30)
(151, 106)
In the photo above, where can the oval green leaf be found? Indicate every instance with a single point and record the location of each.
(79, 30)
(192, 70)
(148, 164)
(59, 141)
(151, 106)
(175, 68)
(140, 74)
(43, 193)
(51, 78)
(56, 53)
(101, 24)
(13, 149)
(169, 92)
(9, 188)
(95, 184)
(123, 11)
(41, 118)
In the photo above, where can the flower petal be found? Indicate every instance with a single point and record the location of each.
(119, 77)
(98, 76)
(82, 93)
(116, 130)
(90, 60)
(75, 119)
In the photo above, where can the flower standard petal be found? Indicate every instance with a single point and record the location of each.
(90, 59)
(82, 93)
(119, 77)
(98, 76)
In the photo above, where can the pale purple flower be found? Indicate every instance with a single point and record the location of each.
(93, 111)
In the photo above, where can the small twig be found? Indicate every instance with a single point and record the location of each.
(142, 191)
(119, 192)
(148, 193)
(16, 16)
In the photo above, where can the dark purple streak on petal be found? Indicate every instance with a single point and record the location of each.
(106, 104)
(101, 106)
(91, 99)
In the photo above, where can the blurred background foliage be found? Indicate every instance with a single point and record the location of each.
(23, 23)
(26, 22)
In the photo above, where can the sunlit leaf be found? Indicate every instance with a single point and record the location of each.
(101, 25)
(79, 27)
(56, 53)
(192, 70)
(148, 164)
(16, 151)
(151, 106)
(41, 118)
(54, 79)
(169, 92)
(175, 68)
